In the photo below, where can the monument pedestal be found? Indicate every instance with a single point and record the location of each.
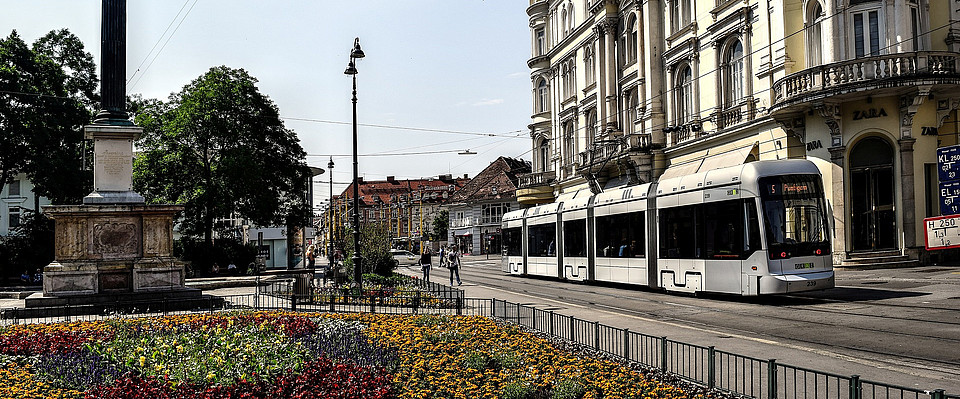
(114, 254)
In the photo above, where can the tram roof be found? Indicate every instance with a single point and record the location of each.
(544, 209)
(748, 172)
(514, 215)
(622, 194)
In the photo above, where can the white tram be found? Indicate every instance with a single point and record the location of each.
(753, 229)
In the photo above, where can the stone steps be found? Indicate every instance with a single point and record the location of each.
(878, 260)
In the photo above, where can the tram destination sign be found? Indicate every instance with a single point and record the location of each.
(943, 232)
(948, 163)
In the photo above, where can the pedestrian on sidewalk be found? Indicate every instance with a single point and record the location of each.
(453, 263)
(441, 255)
(425, 265)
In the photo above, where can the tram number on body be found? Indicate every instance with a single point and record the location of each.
(942, 232)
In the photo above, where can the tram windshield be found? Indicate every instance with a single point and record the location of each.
(795, 216)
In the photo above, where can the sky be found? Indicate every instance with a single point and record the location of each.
(439, 76)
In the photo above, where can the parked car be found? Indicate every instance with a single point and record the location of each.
(404, 257)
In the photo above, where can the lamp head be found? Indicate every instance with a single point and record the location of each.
(351, 69)
(330, 164)
(357, 52)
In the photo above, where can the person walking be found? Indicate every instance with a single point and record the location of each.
(425, 265)
(441, 255)
(454, 265)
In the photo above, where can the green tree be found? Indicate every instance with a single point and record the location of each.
(374, 248)
(440, 225)
(47, 94)
(219, 148)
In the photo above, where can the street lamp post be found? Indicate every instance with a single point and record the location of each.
(355, 54)
(330, 216)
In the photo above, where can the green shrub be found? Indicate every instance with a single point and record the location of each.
(569, 389)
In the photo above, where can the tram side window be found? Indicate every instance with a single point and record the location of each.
(512, 241)
(621, 235)
(575, 238)
(679, 233)
(542, 240)
(723, 230)
(753, 227)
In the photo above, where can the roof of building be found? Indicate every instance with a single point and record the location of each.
(497, 181)
(390, 191)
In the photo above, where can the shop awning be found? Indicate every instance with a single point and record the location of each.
(722, 159)
(462, 233)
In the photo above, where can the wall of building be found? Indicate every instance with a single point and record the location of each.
(17, 203)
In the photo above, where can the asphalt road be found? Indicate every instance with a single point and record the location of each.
(896, 326)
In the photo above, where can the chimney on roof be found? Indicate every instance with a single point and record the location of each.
(391, 179)
(466, 176)
(445, 177)
(359, 180)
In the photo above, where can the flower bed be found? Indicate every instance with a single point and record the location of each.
(300, 355)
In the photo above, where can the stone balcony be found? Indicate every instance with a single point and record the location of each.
(536, 188)
(864, 76)
(611, 150)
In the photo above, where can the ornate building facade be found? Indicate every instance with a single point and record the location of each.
(626, 92)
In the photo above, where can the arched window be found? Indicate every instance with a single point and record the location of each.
(569, 149)
(631, 112)
(591, 125)
(543, 154)
(683, 92)
(563, 22)
(814, 34)
(570, 18)
(589, 65)
(543, 96)
(733, 66)
(630, 34)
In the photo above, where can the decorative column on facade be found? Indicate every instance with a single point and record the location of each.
(953, 35)
(610, 66)
(830, 112)
(909, 105)
(603, 112)
(832, 29)
(653, 74)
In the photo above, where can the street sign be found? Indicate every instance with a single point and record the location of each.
(942, 232)
(948, 163)
(950, 198)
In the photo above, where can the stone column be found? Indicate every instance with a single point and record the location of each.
(908, 195)
(113, 64)
(612, 123)
(837, 154)
(653, 74)
(953, 35)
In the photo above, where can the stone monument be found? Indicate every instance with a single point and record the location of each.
(114, 248)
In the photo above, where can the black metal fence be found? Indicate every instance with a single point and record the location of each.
(704, 365)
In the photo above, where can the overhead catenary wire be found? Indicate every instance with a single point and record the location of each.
(158, 40)
(135, 83)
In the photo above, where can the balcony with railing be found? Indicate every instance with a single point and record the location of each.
(464, 222)
(865, 74)
(742, 111)
(536, 188)
(537, 179)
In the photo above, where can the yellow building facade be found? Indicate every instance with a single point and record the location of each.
(626, 92)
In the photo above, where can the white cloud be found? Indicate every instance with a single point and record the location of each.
(494, 101)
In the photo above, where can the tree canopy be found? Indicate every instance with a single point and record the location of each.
(219, 148)
(47, 94)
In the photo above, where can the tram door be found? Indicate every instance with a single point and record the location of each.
(874, 220)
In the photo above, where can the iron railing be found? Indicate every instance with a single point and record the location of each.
(703, 365)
